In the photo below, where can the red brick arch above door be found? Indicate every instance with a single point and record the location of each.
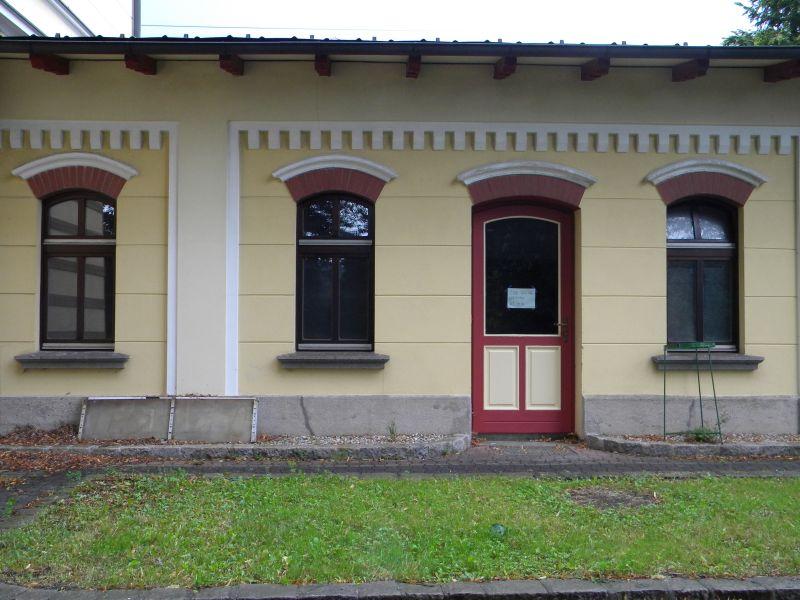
(335, 172)
(705, 177)
(75, 170)
(560, 184)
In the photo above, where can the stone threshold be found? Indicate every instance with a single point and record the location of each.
(678, 449)
(755, 588)
(380, 451)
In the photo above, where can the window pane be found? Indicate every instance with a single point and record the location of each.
(318, 219)
(715, 224)
(62, 298)
(99, 219)
(521, 262)
(317, 301)
(62, 218)
(679, 223)
(353, 220)
(354, 292)
(718, 301)
(681, 303)
(94, 310)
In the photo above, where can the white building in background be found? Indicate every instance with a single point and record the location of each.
(73, 18)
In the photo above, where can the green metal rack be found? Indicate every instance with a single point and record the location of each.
(697, 347)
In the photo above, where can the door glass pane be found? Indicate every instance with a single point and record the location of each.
(94, 310)
(521, 284)
(99, 219)
(317, 301)
(718, 301)
(354, 299)
(681, 305)
(62, 219)
(318, 219)
(353, 220)
(714, 224)
(62, 298)
(680, 225)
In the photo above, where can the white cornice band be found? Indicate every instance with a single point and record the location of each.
(74, 159)
(520, 137)
(723, 167)
(420, 135)
(527, 167)
(70, 134)
(335, 161)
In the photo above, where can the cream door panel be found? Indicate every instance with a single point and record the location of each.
(500, 378)
(542, 377)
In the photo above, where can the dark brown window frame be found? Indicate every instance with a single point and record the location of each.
(702, 251)
(335, 248)
(81, 247)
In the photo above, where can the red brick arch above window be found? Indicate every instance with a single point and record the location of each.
(562, 185)
(75, 170)
(335, 173)
(719, 178)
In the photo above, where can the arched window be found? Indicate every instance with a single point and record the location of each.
(78, 249)
(335, 234)
(702, 273)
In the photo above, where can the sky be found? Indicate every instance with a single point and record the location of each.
(697, 22)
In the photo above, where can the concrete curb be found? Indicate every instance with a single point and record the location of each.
(674, 588)
(624, 446)
(421, 450)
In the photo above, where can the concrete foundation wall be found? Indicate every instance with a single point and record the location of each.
(287, 415)
(41, 412)
(627, 415)
(341, 415)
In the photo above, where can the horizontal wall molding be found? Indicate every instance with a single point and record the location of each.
(77, 135)
(521, 137)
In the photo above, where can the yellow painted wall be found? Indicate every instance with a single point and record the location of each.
(141, 267)
(423, 219)
(422, 260)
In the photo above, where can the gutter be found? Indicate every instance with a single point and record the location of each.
(249, 46)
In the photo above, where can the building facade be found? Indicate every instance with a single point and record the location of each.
(498, 238)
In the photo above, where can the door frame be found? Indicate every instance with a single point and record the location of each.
(503, 421)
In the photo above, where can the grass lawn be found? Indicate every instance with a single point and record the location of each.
(140, 531)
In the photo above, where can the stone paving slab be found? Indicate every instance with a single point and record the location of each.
(757, 588)
(377, 451)
(678, 449)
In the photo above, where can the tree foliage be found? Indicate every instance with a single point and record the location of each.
(777, 23)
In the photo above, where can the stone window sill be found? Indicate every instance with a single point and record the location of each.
(333, 359)
(721, 361)
(72, 359)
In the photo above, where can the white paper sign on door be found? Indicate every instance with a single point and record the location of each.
(521, 298)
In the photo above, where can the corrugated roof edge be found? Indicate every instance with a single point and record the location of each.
(245, 46)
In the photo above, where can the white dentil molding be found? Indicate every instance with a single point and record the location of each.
(724, 167)
(116, 135)
(519, 137)
(335, 161)
(527, 167)
(74, 159)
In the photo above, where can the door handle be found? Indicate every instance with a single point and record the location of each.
(563, 329)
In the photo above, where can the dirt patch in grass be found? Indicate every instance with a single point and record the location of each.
(606, 498)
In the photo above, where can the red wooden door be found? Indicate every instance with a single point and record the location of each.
(522, 320)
